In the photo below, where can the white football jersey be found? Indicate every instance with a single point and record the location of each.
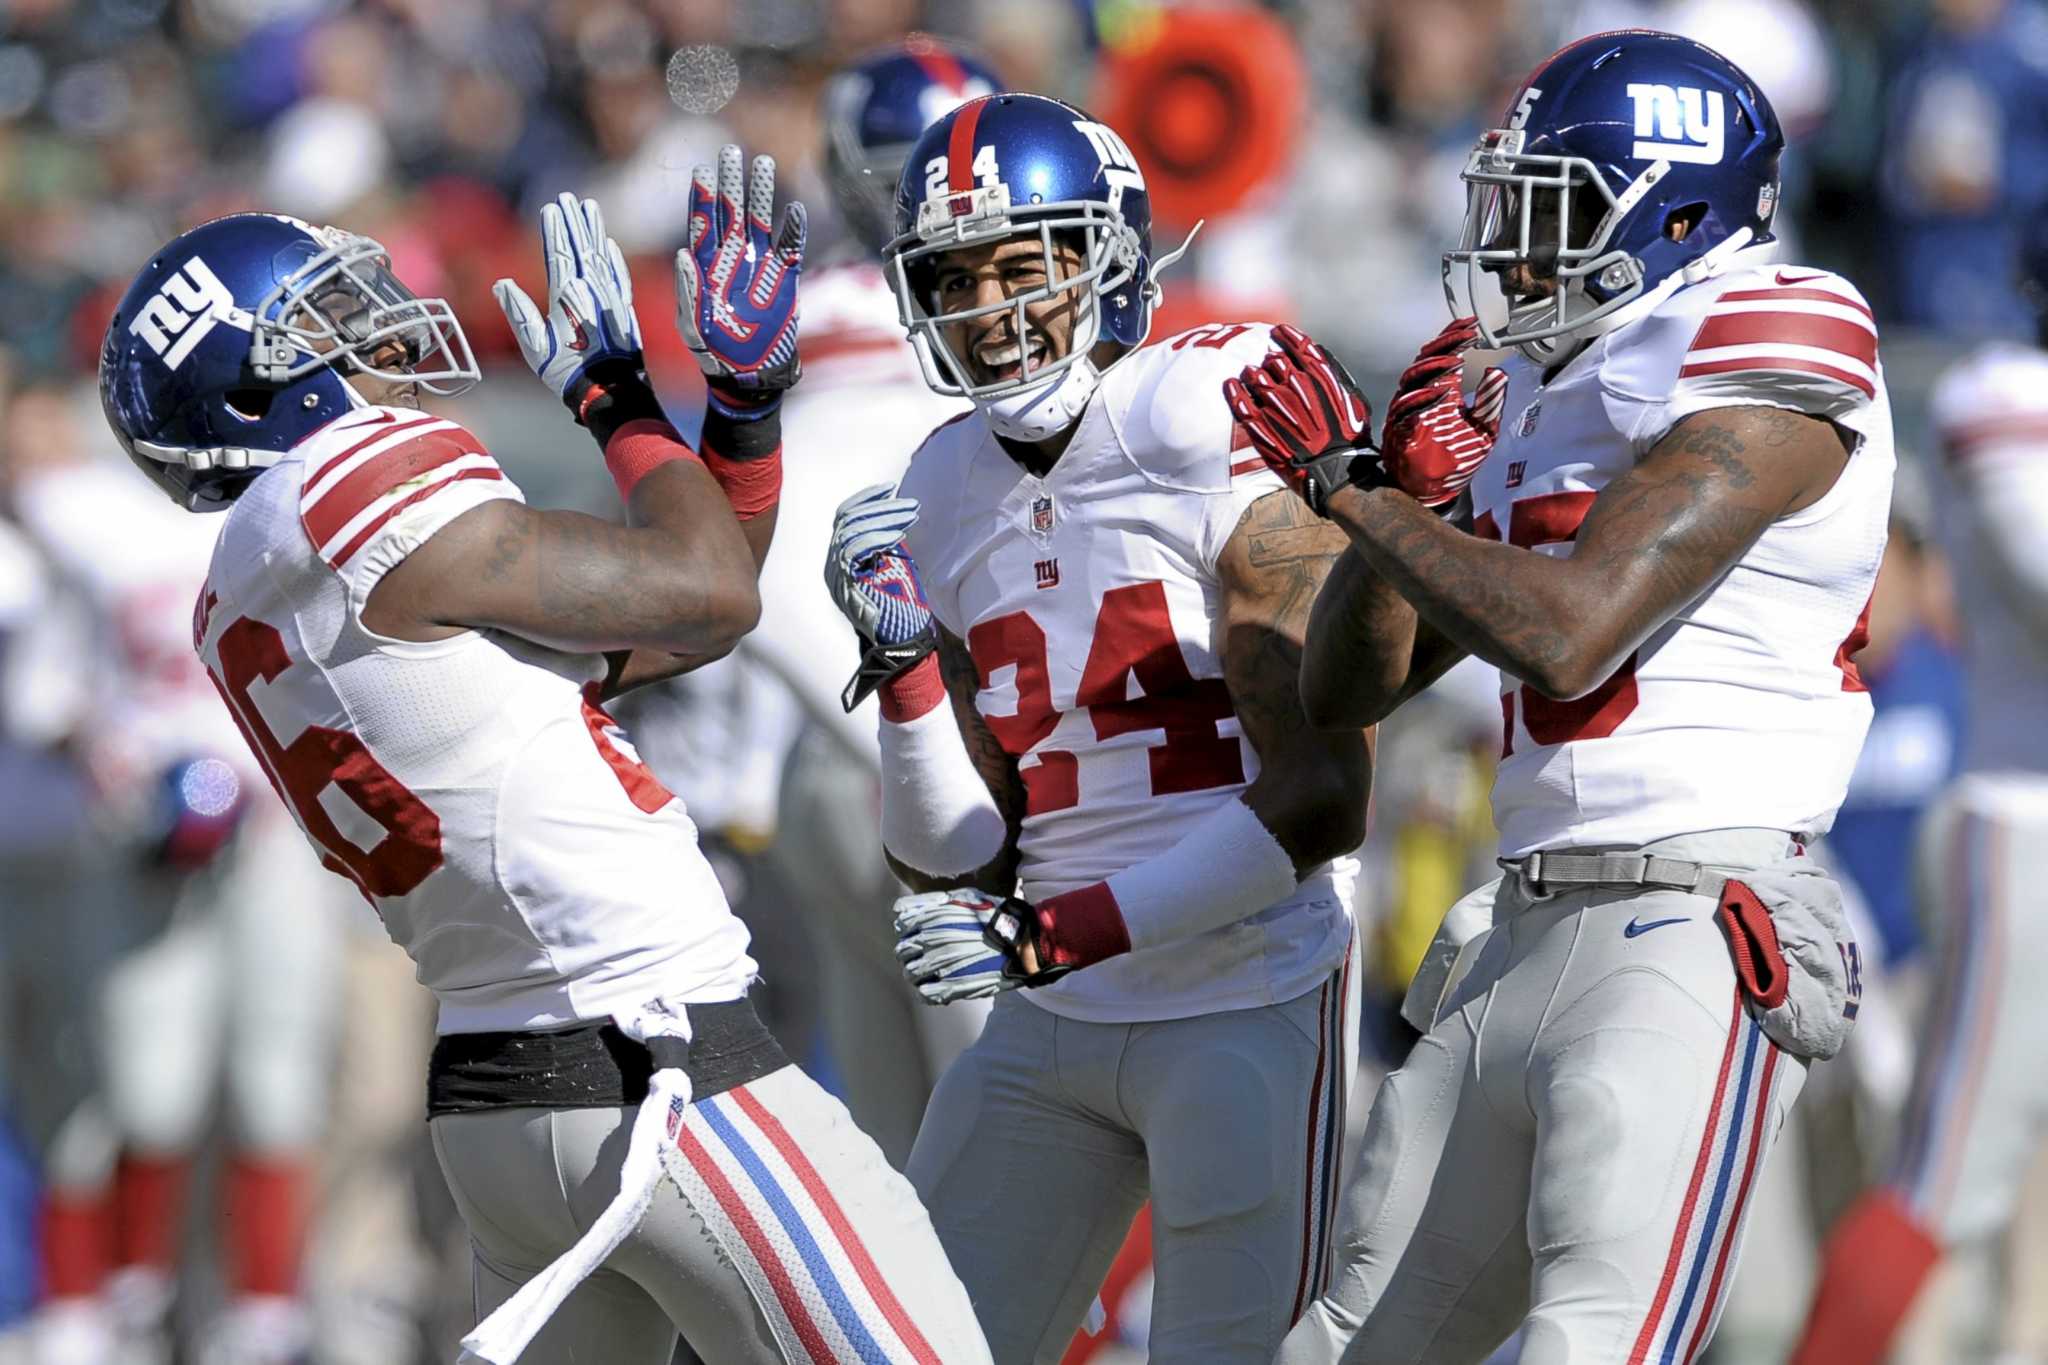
(136, 560)
(861, 410)
(500, 823)
(1991, 414)
(1744, 708)
(1089, 601)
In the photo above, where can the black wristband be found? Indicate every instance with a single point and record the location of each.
(610, 394)
(741, 439)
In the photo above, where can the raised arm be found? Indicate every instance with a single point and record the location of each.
(1367, 651)
(1655, 538)
(676, 586)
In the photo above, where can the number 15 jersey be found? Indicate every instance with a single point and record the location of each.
(1744, 709)
(514, 845)
(1089, 600)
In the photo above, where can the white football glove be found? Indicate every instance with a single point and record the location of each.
(963, 944)
(590, 299)
(874, 583)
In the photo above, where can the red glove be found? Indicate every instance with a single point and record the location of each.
(1434, 441)
(1304, 415)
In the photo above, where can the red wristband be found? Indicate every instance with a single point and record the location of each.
(751, 486)
(639, 448)
(913, 692)
(1081, 927)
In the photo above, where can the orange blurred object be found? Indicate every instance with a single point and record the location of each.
(1210, 99)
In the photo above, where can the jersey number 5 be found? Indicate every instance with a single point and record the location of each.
(1133, 636)
(1553, 519)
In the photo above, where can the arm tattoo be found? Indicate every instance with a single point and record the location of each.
(1310, 792)
(1655, 539)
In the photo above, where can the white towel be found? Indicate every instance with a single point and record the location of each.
(500, 1338)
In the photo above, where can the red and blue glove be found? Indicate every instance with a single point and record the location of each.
(736, 289)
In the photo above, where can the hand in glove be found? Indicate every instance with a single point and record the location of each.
(736, 291)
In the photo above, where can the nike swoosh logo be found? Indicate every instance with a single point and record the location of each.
(1783, 278)
(1633, 928)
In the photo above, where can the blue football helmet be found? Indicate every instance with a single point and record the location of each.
(874, 111)
(1026, 166)
(1609, 143)
(235, 342)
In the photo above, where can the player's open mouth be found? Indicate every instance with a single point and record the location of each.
(999, 360)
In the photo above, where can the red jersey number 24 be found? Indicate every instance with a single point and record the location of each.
(1133, 637)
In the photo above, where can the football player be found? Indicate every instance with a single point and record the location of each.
(862, 409)
(202, 942)
(1122, 809)
(1973, 1124)
(419, 661)
(1680, 486)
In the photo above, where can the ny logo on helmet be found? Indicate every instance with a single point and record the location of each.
(1686, 122)
(181, 313)
(1119, 168)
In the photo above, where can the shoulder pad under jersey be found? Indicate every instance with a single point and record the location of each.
(380, 481)
(1780, 336)
(1167, 407)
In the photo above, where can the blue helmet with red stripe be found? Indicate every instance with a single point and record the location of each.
(1624, 158)
(874, 111)
(1026, 166)
(236, 341)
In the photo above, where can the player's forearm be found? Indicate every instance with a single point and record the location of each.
(1227, 868)
(941, 827)
(2012, 507)
(1358, 654)
(1542, 620)
(746, 459)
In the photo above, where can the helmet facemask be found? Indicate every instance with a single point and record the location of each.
(1110, 255)
(345, 309)
(1554, 215)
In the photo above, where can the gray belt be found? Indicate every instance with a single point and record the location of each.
(1545, 873)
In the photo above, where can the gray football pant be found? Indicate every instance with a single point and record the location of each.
(1045, 1138)
(853, 1272)
(1571, 1147)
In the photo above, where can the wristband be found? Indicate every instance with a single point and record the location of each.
(1229, 867)
(913, 692)
(751, 486)
(640, 447)
(609, 395)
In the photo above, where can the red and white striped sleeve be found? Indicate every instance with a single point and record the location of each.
(1992, 408)
(1793, 339)
(383, 482)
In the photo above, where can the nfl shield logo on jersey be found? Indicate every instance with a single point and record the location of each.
(1041, 515)
(1530, 415)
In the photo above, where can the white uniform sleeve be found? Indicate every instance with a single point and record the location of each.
(1992, 419)
(1800, 340)
(396, 479)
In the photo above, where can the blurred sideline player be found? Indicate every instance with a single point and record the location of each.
(861, 410)
(1681, 487)
(419, 661)
(1123, 809)
(1974, 1122)
(211, 965)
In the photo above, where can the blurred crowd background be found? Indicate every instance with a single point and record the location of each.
(1323, 150)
